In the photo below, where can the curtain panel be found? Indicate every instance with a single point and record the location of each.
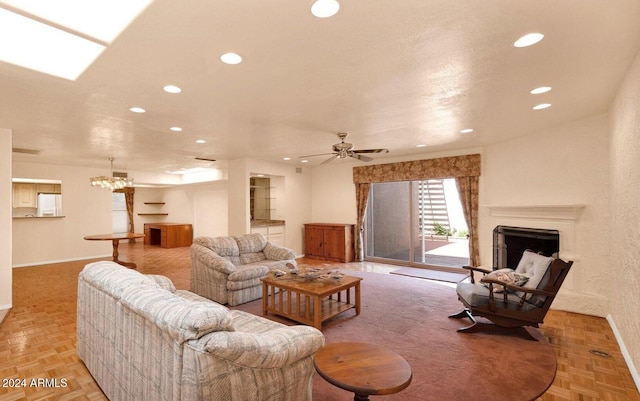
(465, 169)
(468, 192)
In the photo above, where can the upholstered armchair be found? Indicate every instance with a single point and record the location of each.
(228, 269)
(512, 299)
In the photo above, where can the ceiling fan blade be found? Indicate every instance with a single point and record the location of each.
(371, 151)
(360, 157)
(329, 159)
(320, 154)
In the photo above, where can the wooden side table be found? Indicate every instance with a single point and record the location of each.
(362, 368)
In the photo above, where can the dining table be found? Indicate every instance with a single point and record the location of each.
(115, 239)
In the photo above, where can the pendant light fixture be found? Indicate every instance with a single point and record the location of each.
(112, 182)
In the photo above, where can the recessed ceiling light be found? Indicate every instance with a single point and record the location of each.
(286, 158)
(137, 109)
(325, 8)
(528, 40)
(542, 106)
(200, 141)
(172, 89)
(542, 89)
(304, 161)
(44, 48)
(421, 145)
(466, 131)
(231, 58)
(176, 129)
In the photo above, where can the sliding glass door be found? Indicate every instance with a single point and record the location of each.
(416, 223)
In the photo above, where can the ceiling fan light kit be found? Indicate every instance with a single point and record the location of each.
(344, 149)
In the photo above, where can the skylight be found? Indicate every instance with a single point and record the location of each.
(98, 19)
(62, 37)
(43, 48)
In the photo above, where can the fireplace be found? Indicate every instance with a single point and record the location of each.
(510, 242)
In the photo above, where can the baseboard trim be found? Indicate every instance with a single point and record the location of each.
(49, 262)
(625, 353)
(4, 312)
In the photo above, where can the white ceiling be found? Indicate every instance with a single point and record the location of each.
(391, 73)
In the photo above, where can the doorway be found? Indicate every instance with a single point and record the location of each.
(416, 223)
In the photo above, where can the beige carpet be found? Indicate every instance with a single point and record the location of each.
(431, 274)
(410, 316)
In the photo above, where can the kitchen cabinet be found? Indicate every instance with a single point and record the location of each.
(49, 188)
(273, 234)
(329, 241)
(25, 195)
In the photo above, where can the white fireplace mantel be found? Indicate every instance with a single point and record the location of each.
(538, 212)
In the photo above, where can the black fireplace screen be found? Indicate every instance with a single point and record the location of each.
(510, 242)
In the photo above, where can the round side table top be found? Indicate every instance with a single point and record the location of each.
(363, 368)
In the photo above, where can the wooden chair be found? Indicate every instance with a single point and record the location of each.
(518, 305)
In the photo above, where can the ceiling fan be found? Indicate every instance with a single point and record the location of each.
(344, 149)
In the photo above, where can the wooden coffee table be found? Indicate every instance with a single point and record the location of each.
(362, 368)
(309, 302)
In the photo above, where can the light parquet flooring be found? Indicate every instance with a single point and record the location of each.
(38, 359)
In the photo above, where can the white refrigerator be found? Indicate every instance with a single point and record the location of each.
(49, 205)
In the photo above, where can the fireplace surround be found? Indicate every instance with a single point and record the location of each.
(510, 242)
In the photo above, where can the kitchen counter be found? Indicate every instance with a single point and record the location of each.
(36, 217)
(266, 223)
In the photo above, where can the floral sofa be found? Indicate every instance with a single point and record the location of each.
(142, 339)
(228, 269)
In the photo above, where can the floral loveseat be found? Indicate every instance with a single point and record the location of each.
(142, 339)
(228, 269)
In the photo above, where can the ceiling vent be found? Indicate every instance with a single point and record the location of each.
(119, 174)
(26, 151)
(204, 159)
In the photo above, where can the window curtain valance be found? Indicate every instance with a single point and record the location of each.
(444, 167)
(465, 169)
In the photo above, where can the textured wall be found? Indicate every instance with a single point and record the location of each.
(565, 165)
(625, 211)
(5, 219)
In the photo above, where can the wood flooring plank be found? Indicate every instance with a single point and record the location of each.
(37, 337)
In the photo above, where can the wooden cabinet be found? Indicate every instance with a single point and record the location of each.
(168, 235)
(329, 241)
(25, 195)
